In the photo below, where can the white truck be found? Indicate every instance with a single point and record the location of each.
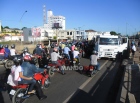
(108, 46)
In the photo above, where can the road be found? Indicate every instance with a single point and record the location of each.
(75, 87)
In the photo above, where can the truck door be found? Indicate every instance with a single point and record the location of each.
(124, 43)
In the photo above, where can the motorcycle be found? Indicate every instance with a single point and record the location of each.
(54, 67)
(19, 93)
(3, 61)
(89, 70)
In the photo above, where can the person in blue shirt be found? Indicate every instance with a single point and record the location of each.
(28, 71)
(66, 51)
(38, 50)
(7, 51)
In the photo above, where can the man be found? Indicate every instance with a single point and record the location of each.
(38, 50)
(2, 52)
(66, 51)
(94, 60)
(54, 58)
(12, 50)
(29, 70)
(7, 51)
(76, 54)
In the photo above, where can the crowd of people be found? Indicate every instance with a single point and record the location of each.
(23, 69)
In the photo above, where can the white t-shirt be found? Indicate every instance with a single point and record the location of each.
(13, 52)
(134, 47)
(11, 77)
(17, 71)
(75, 54)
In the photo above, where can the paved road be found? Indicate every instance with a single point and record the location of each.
(76, 88)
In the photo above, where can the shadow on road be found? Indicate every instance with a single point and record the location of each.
(98, 94)
(3, 86)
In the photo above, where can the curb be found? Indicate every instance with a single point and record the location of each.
(124, 95)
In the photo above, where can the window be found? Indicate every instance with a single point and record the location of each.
(67, 33)
(70, 33)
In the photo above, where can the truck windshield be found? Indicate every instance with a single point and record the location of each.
(108, 41)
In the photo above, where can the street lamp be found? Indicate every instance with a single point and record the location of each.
(20, 23)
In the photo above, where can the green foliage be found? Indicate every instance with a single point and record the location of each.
(7, 27)
(54, 37)
(24, 28)
(113, 33)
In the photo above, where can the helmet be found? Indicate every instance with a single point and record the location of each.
(6, 46)
(26, 49)
(17, 60)
(1, 45)
(27, 58)
(75, 48)
(38, 45)
(55, 50)
(13, 46)
(94, 52)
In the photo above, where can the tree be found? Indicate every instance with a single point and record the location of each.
(24, 28)
(7, 27)
(54, 37)
(113, 33)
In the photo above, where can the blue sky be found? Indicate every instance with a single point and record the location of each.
(120, 16)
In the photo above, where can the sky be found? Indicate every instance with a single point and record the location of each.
(121, 16)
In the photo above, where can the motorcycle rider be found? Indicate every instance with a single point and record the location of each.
(38, 50)
(66, 51)
(76, 54)
(7, 51)
(54, 58)
(12, 50)
(94, 60)
(2, 52)
(29, 70)
(18, 75)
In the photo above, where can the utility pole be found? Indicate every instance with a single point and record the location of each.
(21, 26)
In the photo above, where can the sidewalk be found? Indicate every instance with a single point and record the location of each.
(130, 86)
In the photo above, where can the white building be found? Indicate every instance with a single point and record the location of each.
(51, 19)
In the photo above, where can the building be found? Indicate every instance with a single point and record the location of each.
(51, 20)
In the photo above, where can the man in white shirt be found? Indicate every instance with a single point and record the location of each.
(54, 58)
(94, 60)
(12, 50)
(76, 54)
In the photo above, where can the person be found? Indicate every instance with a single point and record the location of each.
(76, 54)
(133, 49)
(66, 51)
(29, 70)
(72, 47)
(38, 50)
(26, 52)
(19, 78)
(54, 58)
(139, 45)
(94, 60)
(12, 50)
(7, 51)
(2, 52)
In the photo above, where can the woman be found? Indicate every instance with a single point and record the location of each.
(18, 75)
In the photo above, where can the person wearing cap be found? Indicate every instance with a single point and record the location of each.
(54, 59)
(94, 60)
(76, 54)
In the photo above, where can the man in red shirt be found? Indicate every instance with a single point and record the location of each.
(2, 51)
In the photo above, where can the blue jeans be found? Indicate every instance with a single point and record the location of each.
(97, 66)
(30, 82)
(59, 65)
(67, 55)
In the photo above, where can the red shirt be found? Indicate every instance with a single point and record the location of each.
(2, 51)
